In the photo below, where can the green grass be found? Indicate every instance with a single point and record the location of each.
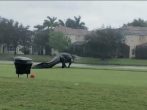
(36, 58)
(84, 60)
(73, 89)
(117, 61)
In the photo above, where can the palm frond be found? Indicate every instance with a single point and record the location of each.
(61, 22)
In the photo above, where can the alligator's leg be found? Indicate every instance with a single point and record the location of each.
(69, 63)
(65, 65)
(63, 62)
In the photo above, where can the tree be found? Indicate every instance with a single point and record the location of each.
(104, 43)
(68, 23)
(75, 24)
(3, 30)
(39, 27)
(26, 38)
(15, 35)
(19, 33)
(79, 25)
(12, 32)
(41, 39)
(137, 22)
(62, 23)
(58, 41)
(50, 23)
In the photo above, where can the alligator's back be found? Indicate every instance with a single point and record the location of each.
(49, 64)
(54, 61)
(66, 56)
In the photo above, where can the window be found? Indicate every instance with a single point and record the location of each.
(10, 48)
(133, 51)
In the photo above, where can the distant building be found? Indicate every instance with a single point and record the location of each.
(77, 36)
(134, 37)
(74, 34)
(5, 49)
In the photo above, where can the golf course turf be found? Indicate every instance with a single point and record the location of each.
(73, 89)
(83, 60)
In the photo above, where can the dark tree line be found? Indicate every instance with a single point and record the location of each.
(137, 22)
(14, 33)
(106, 42)
(103, 43)
(43, 31)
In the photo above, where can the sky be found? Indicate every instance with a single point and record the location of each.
(93, 13)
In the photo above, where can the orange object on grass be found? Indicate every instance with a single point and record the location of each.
(32, 75)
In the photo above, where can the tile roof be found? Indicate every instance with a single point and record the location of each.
(70, 31)
(131, 30)
(142, 45)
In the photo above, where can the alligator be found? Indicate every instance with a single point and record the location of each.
(60, 58)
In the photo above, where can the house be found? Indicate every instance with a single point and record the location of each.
(5, 49)
(73, 34)
(77, 36)
(134, 36)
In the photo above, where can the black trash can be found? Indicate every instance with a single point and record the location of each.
(22, 65)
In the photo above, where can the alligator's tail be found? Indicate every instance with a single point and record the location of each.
(47, 64)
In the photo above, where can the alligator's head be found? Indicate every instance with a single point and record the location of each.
(75, 57)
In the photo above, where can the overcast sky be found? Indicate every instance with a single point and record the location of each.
(93, 13)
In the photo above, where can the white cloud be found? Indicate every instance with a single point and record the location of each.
(93, 13)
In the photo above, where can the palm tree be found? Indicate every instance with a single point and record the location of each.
(61, 22)
(75, 24)
(50, 23)
(68, 23)
(79, 25)
(39, 27)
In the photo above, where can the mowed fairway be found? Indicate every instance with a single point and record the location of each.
(73, 89)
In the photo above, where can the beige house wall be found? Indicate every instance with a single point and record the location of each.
(7, 52)
(75, 38)
(18, 50)
(10, 52)
(133, 41)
